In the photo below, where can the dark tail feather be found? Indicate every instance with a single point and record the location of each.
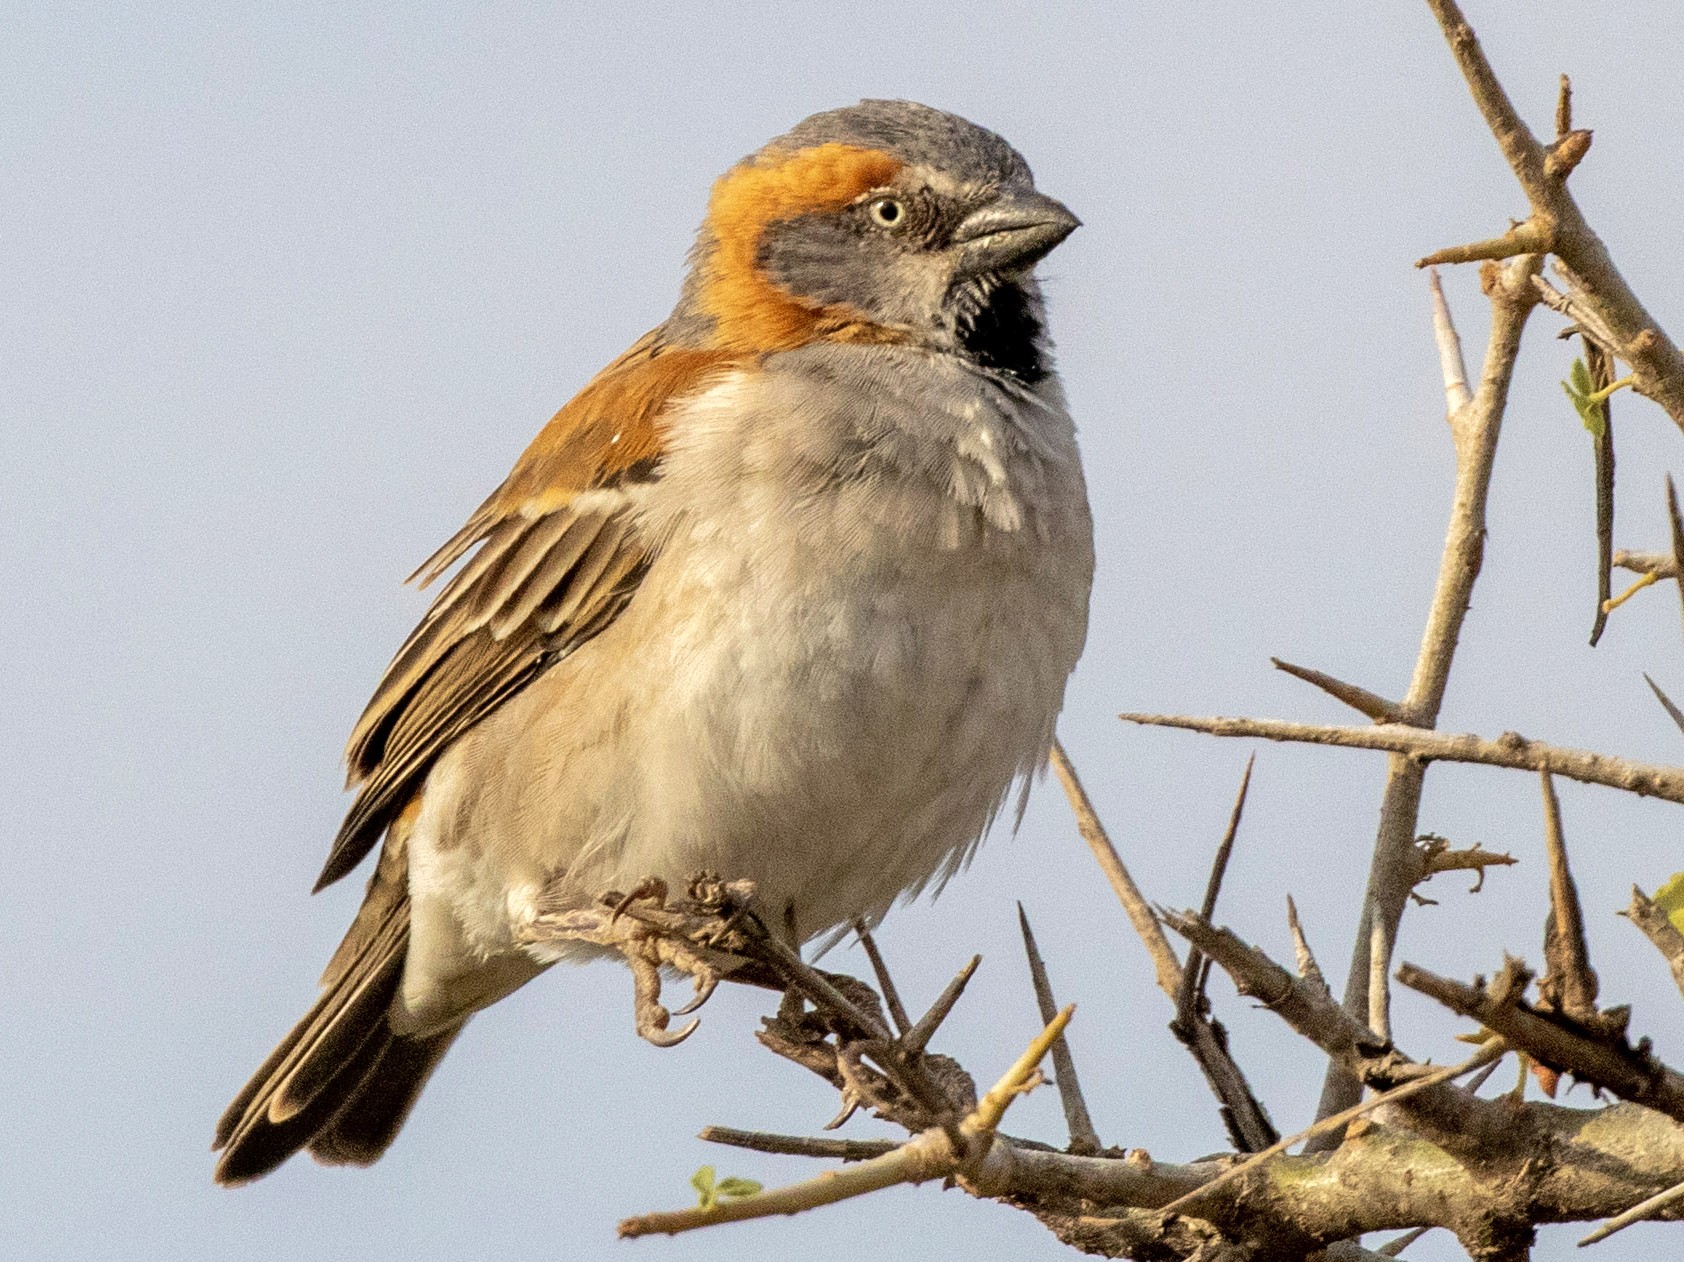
(341, 1082)
(369, 1120)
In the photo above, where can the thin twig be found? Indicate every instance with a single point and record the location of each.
(1164, 961)
(1677, 525)
(928, 1155)
(1601, 366)
(1242, 1113)
(1474, 428)
(1636, 1214)
(1636, 336)
(1494, 1050)
(1660, 564)
(1440, 858)
(1422, 746)
(1083, 1137)
(798, 1145)
(1601, 1058)
(819, 988)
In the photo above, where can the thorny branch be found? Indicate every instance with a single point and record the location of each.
(1422, 746)
(1475, 424)
(1557, 226)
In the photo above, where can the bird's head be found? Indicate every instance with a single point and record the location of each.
(884, 221)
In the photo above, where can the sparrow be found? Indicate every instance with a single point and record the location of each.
(789, 592)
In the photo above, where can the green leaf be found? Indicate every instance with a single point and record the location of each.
(1670, 899)
(737, 1187)
(1593, 414)
(707, 1193)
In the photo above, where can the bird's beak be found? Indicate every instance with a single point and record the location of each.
(1014, 232)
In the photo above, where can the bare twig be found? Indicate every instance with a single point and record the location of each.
(1247, 1121)
(1437, 856)
(1657, 926)
(1361, 700)
(1164, 960)
(1522, 238)
(1558, 226)
(1636, 1214)
(1306, 1007)
(929, 1155)
(1422, 746)
(1083, 1137)
(798, 1145)
(1475, 426)
(1493, 1051)
(1659, 564)
(1601, 1057)
(1583, 321)
(1242, 1113)
(1449, 1116)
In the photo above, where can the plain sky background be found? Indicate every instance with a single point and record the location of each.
(284, 289)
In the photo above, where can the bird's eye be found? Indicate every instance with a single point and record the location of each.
(886, 212)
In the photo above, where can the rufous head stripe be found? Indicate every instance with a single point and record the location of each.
(749, 311)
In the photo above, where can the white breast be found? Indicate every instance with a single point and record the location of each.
(871, 591)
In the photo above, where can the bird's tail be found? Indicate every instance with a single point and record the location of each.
(341, 1084)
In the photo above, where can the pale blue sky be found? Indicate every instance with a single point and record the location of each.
(284, 289)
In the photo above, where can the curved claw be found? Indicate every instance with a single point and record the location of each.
(850, 1106)
(706, 984)
(651, 888)
(662, 1037)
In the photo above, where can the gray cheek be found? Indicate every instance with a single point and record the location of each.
(829, 262)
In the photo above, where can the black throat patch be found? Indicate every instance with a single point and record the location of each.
(999, 328)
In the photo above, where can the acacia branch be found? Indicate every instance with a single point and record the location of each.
(926, 1156)
(1475, 424)
(1438, 1156)
(1422, 746)
(1557, 225)
(1592, 1051)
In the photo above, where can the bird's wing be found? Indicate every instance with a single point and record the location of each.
(558, 557)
